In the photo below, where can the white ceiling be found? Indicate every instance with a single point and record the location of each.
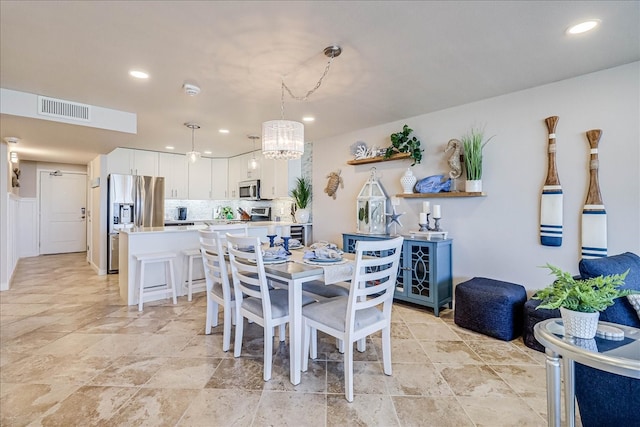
(400, 59)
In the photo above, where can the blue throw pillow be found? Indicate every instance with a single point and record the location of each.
(622, 311)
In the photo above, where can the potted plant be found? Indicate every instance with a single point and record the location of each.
(581, 300)
(472, 145)
(402, 143)
(302, 196)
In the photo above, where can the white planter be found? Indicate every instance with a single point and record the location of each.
(302, 216)
(408, 181)
(473, 186)
(579, 325)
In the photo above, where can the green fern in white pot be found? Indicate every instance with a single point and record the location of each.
(472, 145)
(301, 194)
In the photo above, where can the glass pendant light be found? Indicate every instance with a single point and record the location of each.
(253, 162)
(193, 155)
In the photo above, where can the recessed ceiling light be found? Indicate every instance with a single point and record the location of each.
(308, 119)
(207, 152)
(170, 147)
(138, 74)
(223, 130)
(583, 27)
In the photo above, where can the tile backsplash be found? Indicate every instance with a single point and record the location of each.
(209, 209)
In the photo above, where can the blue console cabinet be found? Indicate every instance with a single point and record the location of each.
(424, 275)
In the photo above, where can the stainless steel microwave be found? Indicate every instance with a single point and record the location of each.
(249, 190)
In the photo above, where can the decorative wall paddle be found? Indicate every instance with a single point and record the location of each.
(551, 198)
(594, 217)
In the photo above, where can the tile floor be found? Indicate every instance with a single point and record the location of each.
(73, 355)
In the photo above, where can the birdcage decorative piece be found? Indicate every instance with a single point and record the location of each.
(371, 207)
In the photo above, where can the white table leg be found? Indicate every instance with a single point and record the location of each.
(569, 392)
(295, 331)
(553, 388)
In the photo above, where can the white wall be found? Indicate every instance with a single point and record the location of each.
(26, 234)
(497, 236)
(5, 270)
(97, 215)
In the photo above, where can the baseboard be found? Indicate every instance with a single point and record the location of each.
(98, 270)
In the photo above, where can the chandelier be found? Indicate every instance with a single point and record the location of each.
(284, 139)
(193, 155)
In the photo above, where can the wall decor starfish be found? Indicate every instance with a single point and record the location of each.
(393, 219)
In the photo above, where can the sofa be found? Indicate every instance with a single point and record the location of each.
(604, 399)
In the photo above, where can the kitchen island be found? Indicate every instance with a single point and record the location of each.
(172, 239)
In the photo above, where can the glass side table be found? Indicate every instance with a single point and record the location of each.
(618, 355)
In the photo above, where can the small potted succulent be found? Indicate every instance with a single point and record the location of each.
(581, 300)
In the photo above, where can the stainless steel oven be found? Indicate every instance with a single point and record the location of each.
(261, 214)
(249, 190)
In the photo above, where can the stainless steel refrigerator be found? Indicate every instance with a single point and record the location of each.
(133, 201)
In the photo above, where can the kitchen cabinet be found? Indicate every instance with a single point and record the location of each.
(234, 176)
(274, 179)
(173, 167)
(278, 177)
(219, 179)
(200, 179)
(133, 162)
(424, 275)
(239, 171)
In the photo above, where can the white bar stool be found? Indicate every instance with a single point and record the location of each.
(151, 258)
(192, 254)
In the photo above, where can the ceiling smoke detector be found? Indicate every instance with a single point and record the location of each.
(11, 140)
(191, 90)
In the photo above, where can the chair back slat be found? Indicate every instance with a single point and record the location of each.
(247, 270)
(374, 278)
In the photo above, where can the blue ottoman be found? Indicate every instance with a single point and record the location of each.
(490, 307)
(531, 317)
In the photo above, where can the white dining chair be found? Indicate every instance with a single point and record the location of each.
(254, 299)
(351, 319)
(218, 279)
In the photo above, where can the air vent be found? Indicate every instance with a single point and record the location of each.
(63, 109)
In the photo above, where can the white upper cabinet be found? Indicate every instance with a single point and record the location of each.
(239, 171)
(173, 167)
(278, 177)
(120, 161)
(200, 179)
(219, 179)
(234, 176)
(145, 162)
(207, 179)
(133, 162)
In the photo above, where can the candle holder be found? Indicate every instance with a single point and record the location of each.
(272, 238)
(436, 226)
(285, 244)
(425, 227)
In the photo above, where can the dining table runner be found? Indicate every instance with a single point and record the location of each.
(340, 271)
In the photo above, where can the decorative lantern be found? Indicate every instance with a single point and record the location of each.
(371, 207)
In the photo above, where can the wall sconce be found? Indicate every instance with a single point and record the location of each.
(14, 157)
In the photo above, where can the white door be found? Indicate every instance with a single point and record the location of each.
(63, 212)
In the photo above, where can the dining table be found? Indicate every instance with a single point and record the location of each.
(294, 272)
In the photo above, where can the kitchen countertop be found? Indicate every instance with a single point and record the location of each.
(183, 228)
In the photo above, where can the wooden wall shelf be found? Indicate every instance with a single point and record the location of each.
(441, 195)
(397, 156)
